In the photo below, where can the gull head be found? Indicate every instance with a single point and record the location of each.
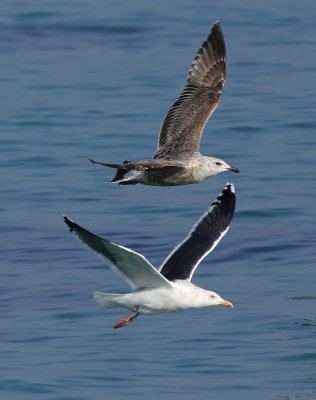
(216, 165)
(215, 299)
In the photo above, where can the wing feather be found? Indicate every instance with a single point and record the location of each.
(203, 238)
(184, 123)
(133, 267)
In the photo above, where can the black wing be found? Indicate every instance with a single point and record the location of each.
(202, 239)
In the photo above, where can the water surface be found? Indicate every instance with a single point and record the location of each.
(94, 79)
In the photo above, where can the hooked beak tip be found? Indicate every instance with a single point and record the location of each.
(235, 169)
(227, 303)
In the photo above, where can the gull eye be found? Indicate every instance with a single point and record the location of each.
(218, 163)
(212, 296)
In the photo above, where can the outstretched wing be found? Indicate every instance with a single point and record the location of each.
(202, 239)
(184, 123)
(143, 165)
(130, 265)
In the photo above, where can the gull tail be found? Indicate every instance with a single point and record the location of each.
(123, 176)
(108, 300)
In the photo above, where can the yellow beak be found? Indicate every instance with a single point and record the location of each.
(227, 303)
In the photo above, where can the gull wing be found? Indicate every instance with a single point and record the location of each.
(203, 238)
(130, 265)
(184, 123)
(143, 165)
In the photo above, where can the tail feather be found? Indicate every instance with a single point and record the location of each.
(123, 175)
(120, 177)
(107, 300)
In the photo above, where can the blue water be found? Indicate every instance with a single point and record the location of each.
(94, 78)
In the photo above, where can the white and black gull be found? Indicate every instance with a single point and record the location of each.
(177, 160)
(169, 288)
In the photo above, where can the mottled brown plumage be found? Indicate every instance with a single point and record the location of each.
(177, 160)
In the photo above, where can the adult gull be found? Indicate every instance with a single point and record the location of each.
(177, 160)
(169, 288)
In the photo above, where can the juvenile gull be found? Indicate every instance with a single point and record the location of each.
(177, 160)
(169, 288)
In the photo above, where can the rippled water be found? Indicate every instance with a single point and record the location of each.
(94, 79)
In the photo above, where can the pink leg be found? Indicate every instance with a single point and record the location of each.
(128, 319)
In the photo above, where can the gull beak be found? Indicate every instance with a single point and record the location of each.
(234, 169)
(226, 303)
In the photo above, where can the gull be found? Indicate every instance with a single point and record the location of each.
(177, 160)
(169, 288)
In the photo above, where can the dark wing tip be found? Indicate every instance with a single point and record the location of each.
(209, 65)
(227, 198)
(228, 191)
(229, 187)
(216, 26)
(69, 222)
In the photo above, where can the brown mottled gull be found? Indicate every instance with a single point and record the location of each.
(177, 160)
